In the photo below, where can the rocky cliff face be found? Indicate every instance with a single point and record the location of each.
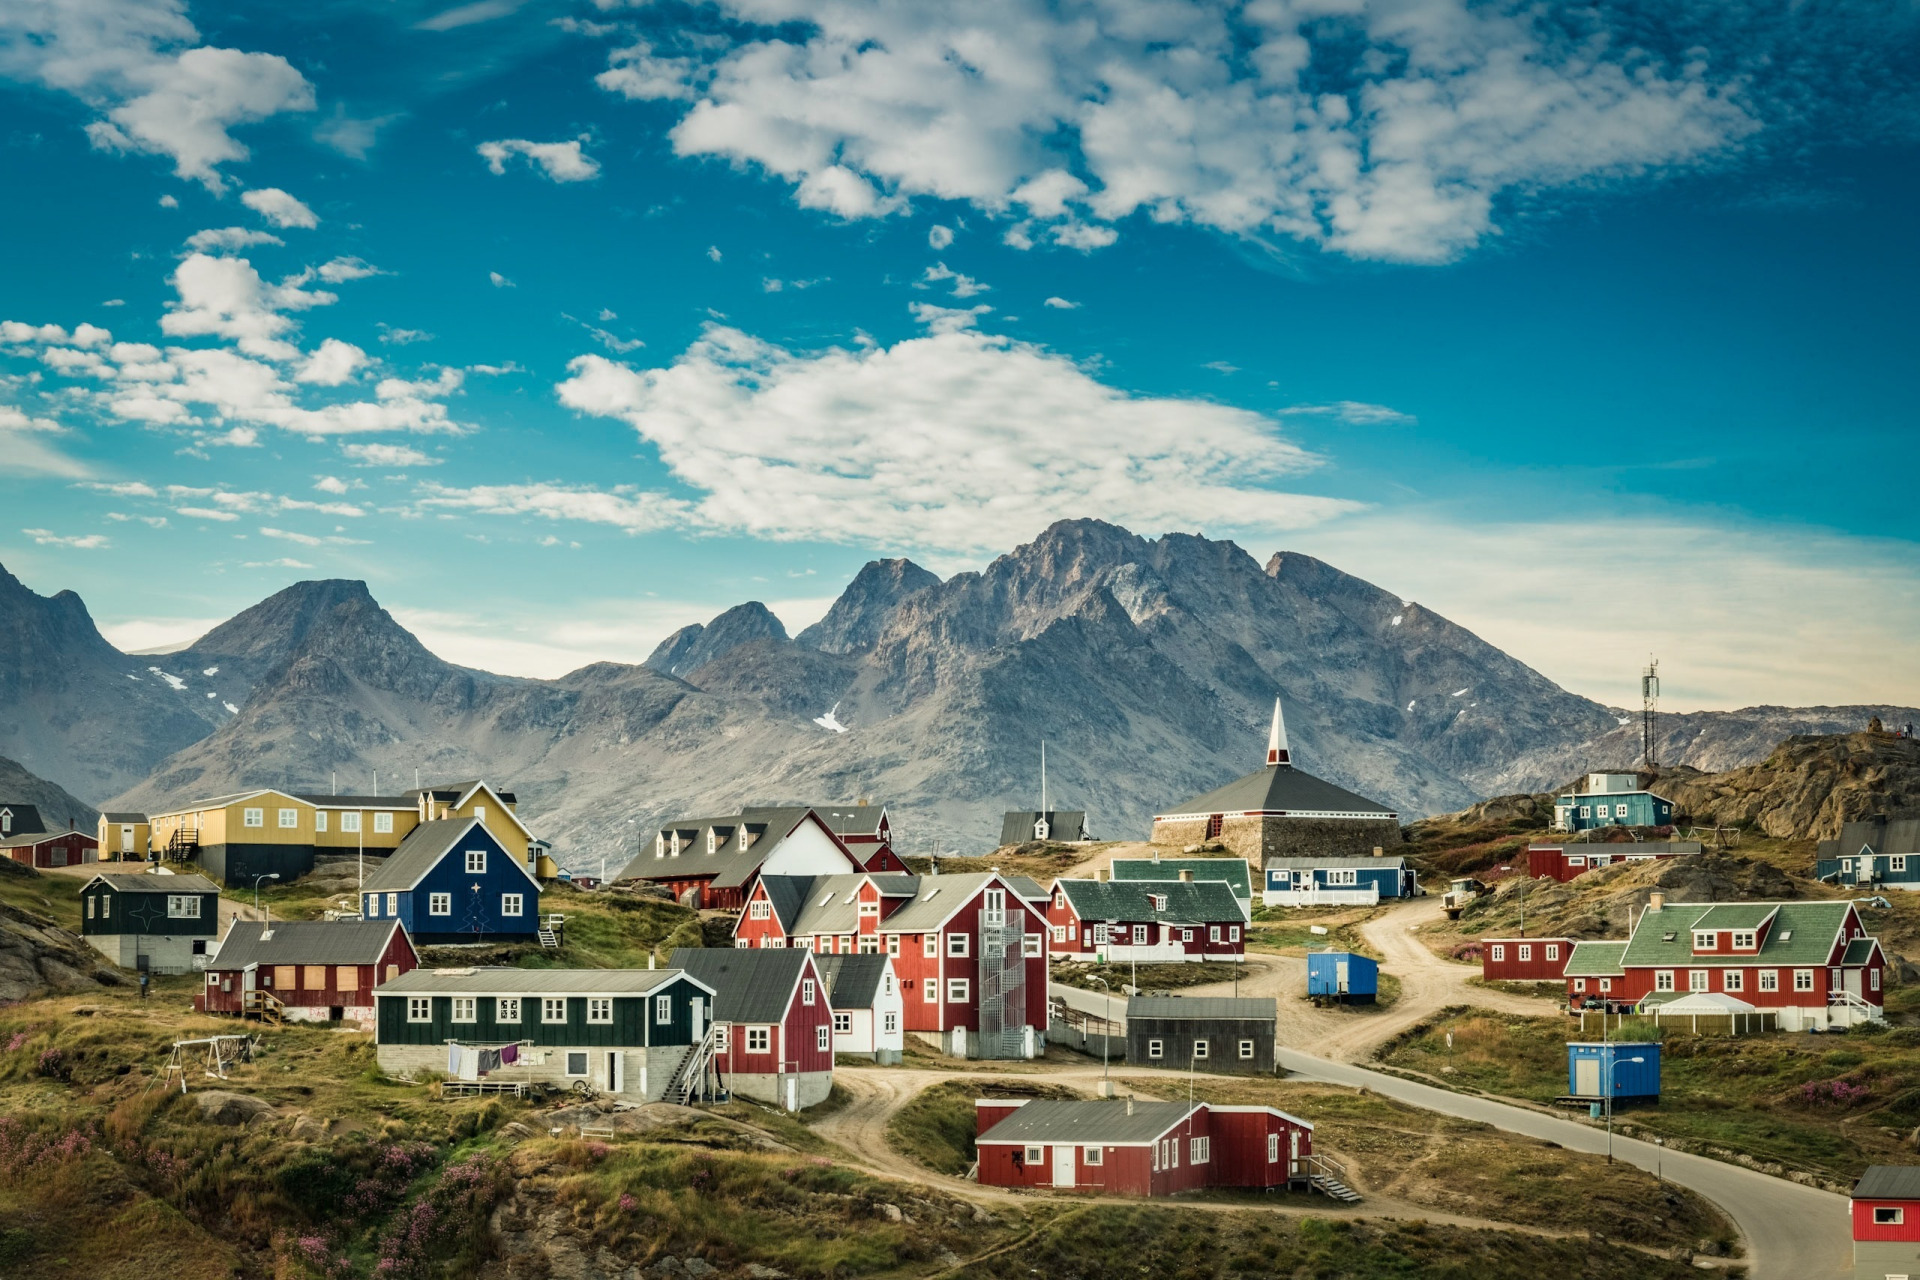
(1807, 787)
(58, 807)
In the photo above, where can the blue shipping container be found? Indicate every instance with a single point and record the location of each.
(1631, 1067)
(1341, 975)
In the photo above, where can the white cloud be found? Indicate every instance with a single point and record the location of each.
(402, 337)
(713, 253)
(279, 208)
(169, 202)
(1382, 129)
(331, 364)
(226, 298)
(341, 270)
(79, 542)
(1749, 615)
(1061, 304)
(284, 562)
(312, 540)
(499, 281)
(389, 455)
(947, 319)
(122, 488)
(939, 237)
(466, 15)
(956, 442)
(331, 484)
(561, 161)
(963, 286)
(230, 238)
(137, 63)
(156, 635)
(1355, 413)
(26, 450)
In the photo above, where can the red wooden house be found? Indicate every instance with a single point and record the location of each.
(1525, 959)
(772, 1022)
(713, 863)
(1563, 862)
(969, 950)
(867, 833)
(24, 838)
(1811, 962)
(1886, 1222)
(306, 970)
(1134, 1148)
(1149, 921)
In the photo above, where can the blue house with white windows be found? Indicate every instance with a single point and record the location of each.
(1873, 852)
(452, 881)
(1611, 800)
(1335, 880)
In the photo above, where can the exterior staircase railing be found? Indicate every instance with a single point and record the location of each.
(689, 1079)
(1329, 1178)
(263, 1005)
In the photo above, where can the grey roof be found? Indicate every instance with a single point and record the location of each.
(1901, 835)
(1281, 788)
(1232, 872)
(1392, 862)
(750, 984)
(422, 851)
(1888, 1182)
(1623, 848)
(1016, 827)
(1187, 901)
(852, 981)
(17, 839)
(356, 802)
(521, 982)
(1596, 960)
(1101, 1121)
(826, 904)
(937, 898)
(26, 818)
(1027, 887)
(852, 819)
(305, 942)
(452, 791)
(1208, 1007)
(141, 882)
(728, 865)
(124, 816)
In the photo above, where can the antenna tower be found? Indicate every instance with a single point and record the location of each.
(1649, 704)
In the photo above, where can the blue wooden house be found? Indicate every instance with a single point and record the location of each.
(1342, 977)
(1337, 880)
(1611, 800)
(1873, 852)
(451, 881)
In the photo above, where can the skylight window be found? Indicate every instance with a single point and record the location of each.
(1787, 936)
(1668, 937)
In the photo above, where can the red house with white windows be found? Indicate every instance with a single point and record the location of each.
(306, 970)
(1886, 1222)
(713, 863)
(1525, 959)
(1147, 921)
(867, 833)
(1563, 862)
(24, 839)
(969, 950)
(1813, 963)
(1132, 1148)
(772, 1023)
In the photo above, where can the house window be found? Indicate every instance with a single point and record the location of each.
(1346, 876)
(289, 819)
(1156, 1049)
(319, 819)
(758, 1039)
(511, 904)
(1743, 940)
(891, 1023)
(1620, 811)
(1873, 979)
(1213, 933)
(720, 1038)
(1279, 877)
(350, 823)
(383, 823)
(1897, 862)
(932, 988)
(1887, 1216)
(1496, 953)
(843, 1024)
(1733, 980)
(1233, 933)
(1199, 1049)
(1140, 935)
(1092, 1155)
(931, 946)
(957, 990)
(1246, 1051)
(439, 904)
(1579, 984)
(1059, 933)
(183, 906)
(1186, 935)
(1803, 979)
(869, 945)
(1663, 979)
(476, 862)
(806, 991)
(870, 909)
(1200, 1150)
(1703, 941)
(759, 909)
(393, 904)
(1585, 811)
(419, 1008)
(1159, 901)
(89, 908)
(1606, 984)
(506, 1009)
(1553, 951)
(1035, 1155)
(1769, 979)
(1526, 951)
(1273, 1148)
(662, 1010)
(599, 1011)
(1100, 935)
(957, 944)
(1697, 979)
(710, 840)
(1072, 930)
(464, 1009)
(254, 817)
(822, 1038)
(1031, 945)
(553, 1009)
(576, 1062)
(1577, 860)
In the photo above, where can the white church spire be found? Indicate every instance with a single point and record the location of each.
(1277, 752)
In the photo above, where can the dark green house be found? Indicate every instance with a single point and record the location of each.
(160, 923)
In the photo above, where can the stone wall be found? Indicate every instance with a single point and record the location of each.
(1257, 839)
(646, 1072)
(769, 1088)
(164, 954)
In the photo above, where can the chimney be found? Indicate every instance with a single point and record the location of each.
(1129, 1104)
(1186, 875)
(1103, 875)
(1378, 852)
(1656, 901)
(650, 959)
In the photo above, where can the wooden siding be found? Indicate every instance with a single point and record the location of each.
(120, 915)
(632, 1027)
(1545, 958)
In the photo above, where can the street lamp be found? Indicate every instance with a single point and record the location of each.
(1613, 1087)
(270, 875)
(1106, 1037)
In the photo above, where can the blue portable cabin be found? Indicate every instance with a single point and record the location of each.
(451, 881)
(1342, 976)
(1593, 1066)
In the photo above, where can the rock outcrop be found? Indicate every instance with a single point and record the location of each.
(1807, 787)
(38, 958)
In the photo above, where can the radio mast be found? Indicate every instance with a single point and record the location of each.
(1649, 703)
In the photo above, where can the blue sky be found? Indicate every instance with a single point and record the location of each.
(1591, 332)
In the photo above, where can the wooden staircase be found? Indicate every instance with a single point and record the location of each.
(1328, 1177)
(689, 1078)
(264, 1005)
(552, 932)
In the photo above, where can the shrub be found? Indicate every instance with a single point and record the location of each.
(1832, 1093)
(1872, 1027)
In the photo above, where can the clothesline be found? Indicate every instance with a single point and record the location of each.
(470, 1063)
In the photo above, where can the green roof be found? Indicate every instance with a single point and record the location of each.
(1859, 951)
(1131, 901)
(1230, 871)
(1803, 933)
(1596, 960)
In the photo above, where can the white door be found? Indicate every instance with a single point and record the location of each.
(1063, 1166)
(247, 976)
(1852, 980)
(793, 1093)
(1293, 1152)
(126, 839)
(616, 1072)
(699, 1019)
(1340, 974)
(1586, 1078)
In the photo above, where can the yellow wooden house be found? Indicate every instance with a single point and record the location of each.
(123, 837)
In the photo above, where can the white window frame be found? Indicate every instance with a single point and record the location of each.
(600, 1011)
(466, 1009)
(1663, 979)
(1034, 1154)
(893, 945)
(1201, 1048)
(1233, 933)
(1606, 984)
(1343, 876)
(1899, 1217)
(959, 990)
(1213, 933)
(289, 819)
(957, 946)
(1705, 940)
(506, 1009)
(253, 817)
(1733, 980)
(183, 906)
(1553, 952)
(1273, 1148)
(931, 989)
(1745, 939)
(1579, 984)
(393, 904)
(1093, 1155)
(1059, 933)
(1497, 953)
(476, 862)
(350, 824)
(580, 1056)
(1769, 980)
(1156, 1049)
(843, 1024)
(891, 1022)
(383, 824)
(419, 1008)
(759, 909)
(823, 1037)
(1032, 945)
(806, 991)
(1803, 979)
(1246, 1050)
(1700, 980)
(1620, 811)
(720, 1038)
(662, 1010)
(1199, 1150)
(1896, 862)
(1525, 952)
(1140, 935)
(930, 946)
(553, 1010)
(513, 904)
(759, 1040)
(1873, 979)
(439, 904)
(320, 820)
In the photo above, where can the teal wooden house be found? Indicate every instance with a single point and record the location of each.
(1611, 800)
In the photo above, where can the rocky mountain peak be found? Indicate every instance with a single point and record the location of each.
(271, 630)
(857, 619)
(694, 646)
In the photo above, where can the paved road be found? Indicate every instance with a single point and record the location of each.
(1793, 1232)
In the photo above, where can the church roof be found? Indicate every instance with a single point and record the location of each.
(1281, 788)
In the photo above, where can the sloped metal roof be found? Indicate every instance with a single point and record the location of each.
(1212, 1008)
(1233, 872)
(852, 981)
(1888, 1182)
(750, 984)
(142, 882)
(1098, 1121)
(1133, 901)
(1596, 960)
(1280, 788)
(530, 982)
(305, 942)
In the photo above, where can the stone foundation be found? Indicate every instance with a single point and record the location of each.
(646, 1072)
(1257, 839)
(811, 1089)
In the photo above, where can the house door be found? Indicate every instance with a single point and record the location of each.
(1586, 1078)
(1340, 974)
(1851, 978)
(699, 1019)
(1063, 1168)
(126, 839)
(1293, 1153)
(249, 977)
(616, 1072)
(793, 1093)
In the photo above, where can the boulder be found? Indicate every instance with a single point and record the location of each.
(219, 1106)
